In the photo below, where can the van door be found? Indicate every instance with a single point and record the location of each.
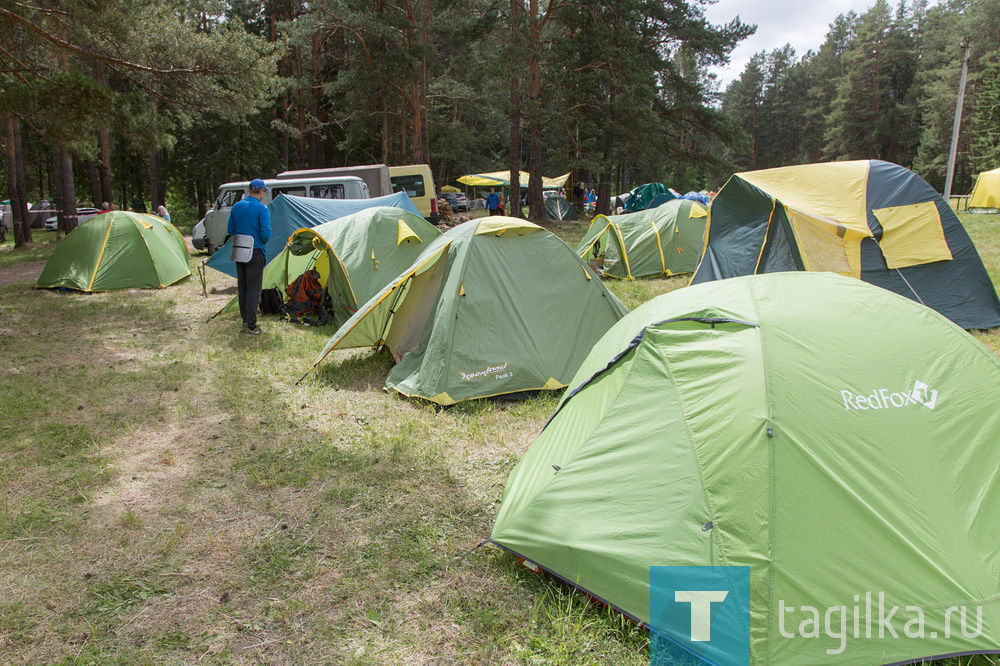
(217, 219)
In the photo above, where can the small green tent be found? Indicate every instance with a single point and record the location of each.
(642, 196)
(493, 306)
(776, 426)
(363, 252)
(655, 242)
(118, 250)
(559, 208)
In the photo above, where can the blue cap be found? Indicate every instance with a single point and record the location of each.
(258, 184)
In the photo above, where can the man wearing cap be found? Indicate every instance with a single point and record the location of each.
(250, 217)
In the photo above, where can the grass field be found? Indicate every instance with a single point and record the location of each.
(171, 495)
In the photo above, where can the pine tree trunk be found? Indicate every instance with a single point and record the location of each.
(536, 205)
(157, 194)
(95, 183)
(15, 181)
(104, 148)
(65, 191)
(515, 111)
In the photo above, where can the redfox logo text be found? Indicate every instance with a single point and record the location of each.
(921, 394)
(485, 372)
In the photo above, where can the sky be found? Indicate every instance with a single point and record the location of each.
(802, 23)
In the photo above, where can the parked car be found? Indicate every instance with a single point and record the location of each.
(83, 214)
(458, 202)
(198, 235)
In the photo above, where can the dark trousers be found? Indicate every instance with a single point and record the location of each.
(494, 211)
(249, 277)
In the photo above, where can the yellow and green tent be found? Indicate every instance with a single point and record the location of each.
(866, 219)
(661, 241)
(493, 306)
(773, 431)
(355, 256)
(118, 250)
(985, 197)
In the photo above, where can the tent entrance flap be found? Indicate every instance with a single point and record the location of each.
(826, 244)
(416, 308)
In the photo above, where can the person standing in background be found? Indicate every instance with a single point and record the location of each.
(250, 217)
(493, 202)
(162, 212)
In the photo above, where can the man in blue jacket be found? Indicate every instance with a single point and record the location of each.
(493, 202)
(250, 217)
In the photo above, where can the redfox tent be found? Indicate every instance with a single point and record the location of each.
(354, 256)
(736, 425)
(665, 240)
(868, 219)
(985, 197)
(493, 306)
(289, 213)
(118, 250)
(557, 207)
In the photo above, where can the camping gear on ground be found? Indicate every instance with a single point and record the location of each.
(867, 219)
(643, 195)
(985, 197)
(362, 252)
(660, 241)
(289, 213)
(305, 299)
(776, 427)
(557, 207)
(118, 250)
(242, 248)
(496, 305)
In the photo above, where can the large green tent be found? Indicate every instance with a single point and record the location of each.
(867, 219)
(118, 250)
(655, 242)
(363, 251)
(776, 426)
(493, 306)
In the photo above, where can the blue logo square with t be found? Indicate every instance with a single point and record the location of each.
(701, 612)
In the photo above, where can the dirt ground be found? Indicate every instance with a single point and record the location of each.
(21, 272)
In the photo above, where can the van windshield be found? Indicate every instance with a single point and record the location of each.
(412, 185)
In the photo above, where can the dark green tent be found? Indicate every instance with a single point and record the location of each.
(558, 208)
(867, 219)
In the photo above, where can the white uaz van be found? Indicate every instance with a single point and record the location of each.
(210, 233)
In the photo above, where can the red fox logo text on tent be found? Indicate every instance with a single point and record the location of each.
(883, 399)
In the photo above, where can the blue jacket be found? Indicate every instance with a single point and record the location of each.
(250, 217)
(493, 201)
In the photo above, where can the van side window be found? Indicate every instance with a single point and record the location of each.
(228, 198)
(412, 185)
(295, 191)
(335, 191)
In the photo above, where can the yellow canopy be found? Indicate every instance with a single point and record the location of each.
(502, 178)
(450, 188)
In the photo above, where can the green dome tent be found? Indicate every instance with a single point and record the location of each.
(559, 208)
(867, 219)
(493, 306)
(655, 242)
(118, 250)
(778, 427)
(363, 251)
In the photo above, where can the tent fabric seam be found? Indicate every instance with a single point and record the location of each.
(100, 257)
